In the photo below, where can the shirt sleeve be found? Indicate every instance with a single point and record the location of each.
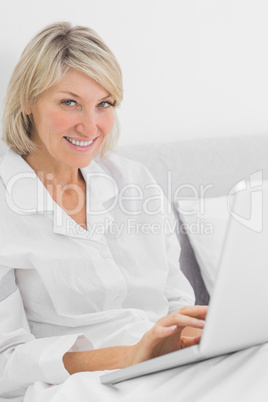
(23, 358)
(178, 290)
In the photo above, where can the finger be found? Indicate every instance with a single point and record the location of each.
(158, 332)
(190, 341)
(181, 321)
(194, 311)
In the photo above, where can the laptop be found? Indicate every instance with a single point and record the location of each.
(236, 317)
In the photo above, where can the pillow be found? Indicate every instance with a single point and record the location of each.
(205, 222)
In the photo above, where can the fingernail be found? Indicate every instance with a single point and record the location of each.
(173, 327)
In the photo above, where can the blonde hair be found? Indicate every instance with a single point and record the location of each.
(56, 49)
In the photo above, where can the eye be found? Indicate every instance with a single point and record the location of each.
(69, 102)
(105, 104)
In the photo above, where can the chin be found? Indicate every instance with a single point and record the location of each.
(82, 162)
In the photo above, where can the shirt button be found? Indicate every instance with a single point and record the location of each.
(105, 253)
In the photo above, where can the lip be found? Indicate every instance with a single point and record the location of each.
(85, 139)
(78, 147)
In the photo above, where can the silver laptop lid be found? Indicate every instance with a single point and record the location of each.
(237, 316)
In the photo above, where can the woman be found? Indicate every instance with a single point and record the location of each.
(83, 287)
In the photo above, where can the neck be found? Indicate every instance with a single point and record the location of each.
(52, 173)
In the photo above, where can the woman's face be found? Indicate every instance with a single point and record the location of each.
(72, 120)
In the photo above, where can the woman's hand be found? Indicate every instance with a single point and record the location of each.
(166, 336)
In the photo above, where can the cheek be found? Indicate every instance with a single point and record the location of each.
(108, 123)
(59, 122)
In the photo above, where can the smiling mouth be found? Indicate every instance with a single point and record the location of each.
(79, 143)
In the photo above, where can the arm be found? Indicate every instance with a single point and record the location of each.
(95, 360)
(178, 290)
(24, 359)
(164, 337)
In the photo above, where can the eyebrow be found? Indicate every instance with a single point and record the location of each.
(79, 97)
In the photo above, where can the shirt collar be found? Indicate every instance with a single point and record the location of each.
(26, 194)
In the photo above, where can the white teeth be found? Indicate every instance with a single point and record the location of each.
(80, 143)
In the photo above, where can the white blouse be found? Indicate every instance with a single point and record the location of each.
(66, 288)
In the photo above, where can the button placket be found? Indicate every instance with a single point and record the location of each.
(112, 277)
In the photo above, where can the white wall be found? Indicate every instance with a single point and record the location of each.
(192, 68)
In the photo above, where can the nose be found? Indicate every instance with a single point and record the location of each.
(87, 124)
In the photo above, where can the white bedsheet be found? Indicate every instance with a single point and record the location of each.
(242, 376)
